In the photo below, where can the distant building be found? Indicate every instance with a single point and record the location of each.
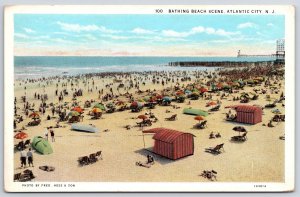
(280, 50)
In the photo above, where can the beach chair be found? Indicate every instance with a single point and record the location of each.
(172, 118)
(276, 118)
(201, 125)
(84, 160)
(93, 158)
(47, 168)
(27, 142)
(270, 105)
(282, 118)
(282, 137)
(26, 176)
(20, 146)
(216, 108)
(239, 138)
(211, 175)
(17, 176)
(215, 150)
(255, 97)
(142, 164)
(99, 155)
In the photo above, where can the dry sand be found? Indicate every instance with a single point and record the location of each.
(259, 159)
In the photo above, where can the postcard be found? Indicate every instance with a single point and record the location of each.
(160, 98)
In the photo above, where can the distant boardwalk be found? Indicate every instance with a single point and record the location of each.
(220, 63)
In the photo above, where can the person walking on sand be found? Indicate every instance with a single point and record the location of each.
(23, 158)
(52, 135)
(46, 133)
(30, 158)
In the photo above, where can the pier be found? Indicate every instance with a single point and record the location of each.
(220, 63)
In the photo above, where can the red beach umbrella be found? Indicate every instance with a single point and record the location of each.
(202, 89)
(199, 118)
(179, 93)
(118, 103)
(159, 97)
(211, 103)
(219, 85)
(21, 135)
(78, 109)
(34, 115)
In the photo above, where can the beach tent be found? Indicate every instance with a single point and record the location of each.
(247, 114)
(196, 112)
(41, 145)
(84, 128)
(172, 144)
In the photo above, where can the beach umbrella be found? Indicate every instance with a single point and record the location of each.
(34, 115)
(202, 89)
(96, 110)
(136, 104)
(219, 85)
(144, 117)
(167, 99)
(239, 129)
(188, 92)
(152, 100)
(100, 106)
(140, 100)
(180, 92)
(236, 84)
(110, 105)
(73, 113)
(211, 103)
(195, 94)
(78, 109)
(199, 118)
(181, 96)
(21, 135)
(159, 96)
(146, 98)
(120, 103)
(226, 87)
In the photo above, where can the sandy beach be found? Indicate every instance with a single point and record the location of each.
(259, 159)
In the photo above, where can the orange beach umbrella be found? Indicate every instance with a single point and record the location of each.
(78, 109)
(21, 135)
(199, 118)
(144, 117)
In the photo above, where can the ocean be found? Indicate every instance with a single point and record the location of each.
(46, 66)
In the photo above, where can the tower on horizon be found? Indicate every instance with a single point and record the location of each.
(280, 50)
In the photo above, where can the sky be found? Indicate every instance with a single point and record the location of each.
(145, 35)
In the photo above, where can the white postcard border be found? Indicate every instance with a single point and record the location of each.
(11, 186)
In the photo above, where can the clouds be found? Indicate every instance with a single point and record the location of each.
(84, 28)
(28, 30)
(199, 30)
(139, 30)
(247, 25)
(143, 34)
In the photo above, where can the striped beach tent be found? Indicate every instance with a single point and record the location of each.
(247, 114)
(172, 144)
